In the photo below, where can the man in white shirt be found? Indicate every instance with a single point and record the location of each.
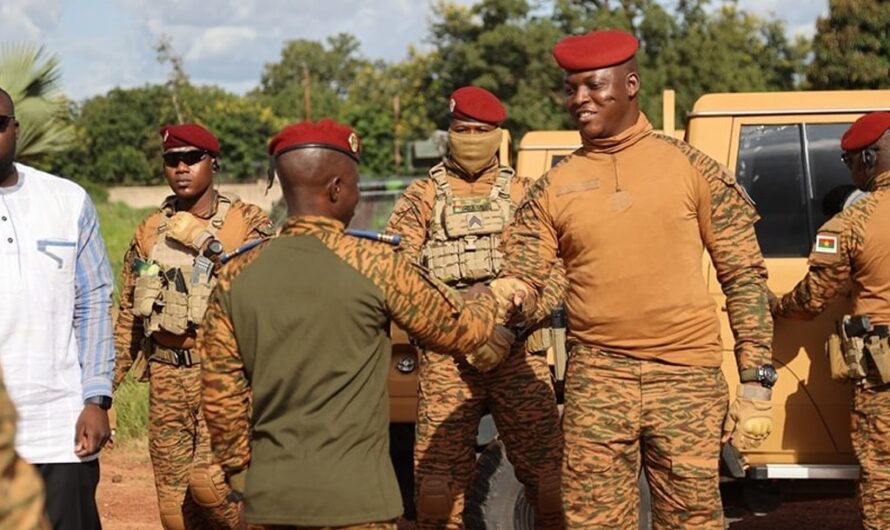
(56, 347)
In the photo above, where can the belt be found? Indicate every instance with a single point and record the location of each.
(173, 356)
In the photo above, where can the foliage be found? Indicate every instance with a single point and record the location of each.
(852, 46)
(131, 407)
(32, 79)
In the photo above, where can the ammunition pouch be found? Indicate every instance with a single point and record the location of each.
(198, 298)
(467, 260)
(174, 314)
(853, 348)
(146, 292)
(878, 348)
(836, 360)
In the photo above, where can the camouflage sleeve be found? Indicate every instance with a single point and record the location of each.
(410, 217)
(432, 312)
(728, 233)
(259, 224)
(553, 294)
(530, 243)
(225, 388)
(829, 270)
(21, 487)
(128, 332)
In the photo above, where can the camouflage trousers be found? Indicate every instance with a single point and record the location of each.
(453, 398)
(179, 445)
(368, 526)
(871, 441)
(21, 494)
(621, 413)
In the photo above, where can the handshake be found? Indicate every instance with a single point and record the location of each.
(510, 295)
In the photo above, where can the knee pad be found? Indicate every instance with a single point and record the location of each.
(208, 489)
(171, 515)
(550, 492)
(434, 498)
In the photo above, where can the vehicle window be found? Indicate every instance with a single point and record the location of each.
(556, 159)
(827, 172)
(771, 168)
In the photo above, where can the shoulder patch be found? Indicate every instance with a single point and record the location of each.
(826, 243)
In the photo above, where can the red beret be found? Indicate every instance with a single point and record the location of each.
(478, 104)
(865, 131)
(326, 133)
(597, 49)
(189, 135)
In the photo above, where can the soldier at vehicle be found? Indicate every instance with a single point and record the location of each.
(855, 245)
(452, 224)
(295, 364)
(21, 502)
(169, 272)
(630, 214)
(55, 332)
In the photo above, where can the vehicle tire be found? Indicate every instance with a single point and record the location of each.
(496, 499)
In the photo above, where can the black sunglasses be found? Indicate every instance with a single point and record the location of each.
(189, 157)
(5, 121)
(846, 158)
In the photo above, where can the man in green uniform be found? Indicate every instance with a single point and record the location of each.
(855, 245)
(452, 224)
(295, 348)
(168, 274)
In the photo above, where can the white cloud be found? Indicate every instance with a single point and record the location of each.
(27, 20)
(218, 41)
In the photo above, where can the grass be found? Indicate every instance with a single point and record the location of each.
(118, 223)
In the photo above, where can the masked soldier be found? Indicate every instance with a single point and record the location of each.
(297, 406)
(169, 272)
(630, 214)
(855, 244)
(21, 490)
(452, 223)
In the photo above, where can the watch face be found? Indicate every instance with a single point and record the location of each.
(768, 375)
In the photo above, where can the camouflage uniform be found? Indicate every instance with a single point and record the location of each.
(370, 526)
(179, 444)
(21, 490)
(300, 397)
(630, 216)
(855, 245)
(454, 396)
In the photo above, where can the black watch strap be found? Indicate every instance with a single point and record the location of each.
(104, 402)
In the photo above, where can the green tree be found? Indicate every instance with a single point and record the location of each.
(852, 46)
(32, 79)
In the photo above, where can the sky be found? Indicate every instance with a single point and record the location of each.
(107, 43)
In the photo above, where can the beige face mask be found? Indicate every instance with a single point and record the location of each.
(474, 151)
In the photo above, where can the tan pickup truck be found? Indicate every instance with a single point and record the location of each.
(785, 150)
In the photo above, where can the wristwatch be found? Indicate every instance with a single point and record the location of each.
(214, 249)
(764, 374)
(104, 402)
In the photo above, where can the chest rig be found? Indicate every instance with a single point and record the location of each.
(175, 299)
(464, 234)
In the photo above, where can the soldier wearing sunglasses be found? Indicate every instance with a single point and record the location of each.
(169, 273)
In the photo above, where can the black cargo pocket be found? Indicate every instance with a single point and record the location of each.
(695, 482)
(594, 476)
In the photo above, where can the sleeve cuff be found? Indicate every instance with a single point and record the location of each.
(96, 386)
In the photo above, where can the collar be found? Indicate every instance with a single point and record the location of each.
(311, 224)
(880, 182)
(488, 174)
(169, 206)
(622, 140)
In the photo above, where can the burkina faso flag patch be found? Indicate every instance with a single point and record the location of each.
(826, 243)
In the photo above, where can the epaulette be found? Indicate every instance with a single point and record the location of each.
(392, 239)
(240, 250)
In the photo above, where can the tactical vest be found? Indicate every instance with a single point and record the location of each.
(175, 299)
(464, 234)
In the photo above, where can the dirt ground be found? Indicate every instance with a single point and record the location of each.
(126, 495)
(127, 500)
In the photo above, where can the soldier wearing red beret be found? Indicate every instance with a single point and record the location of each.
(452, 223)
(855, 244)
(629, 214)
(296, 348)
(169, 272)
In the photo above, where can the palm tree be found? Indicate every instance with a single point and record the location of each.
(32, 79)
